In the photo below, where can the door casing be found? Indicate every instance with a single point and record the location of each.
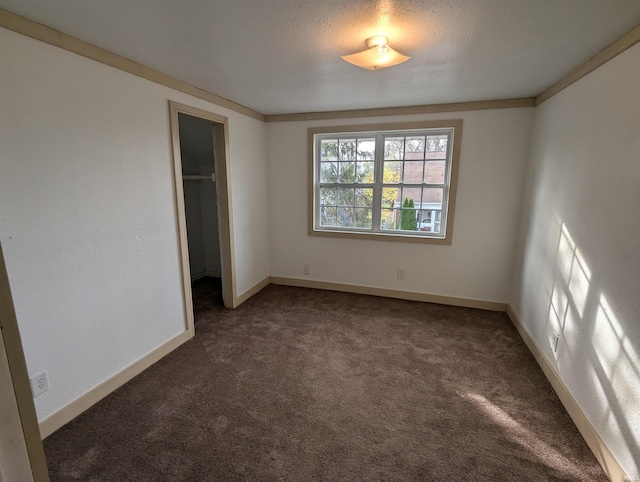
(223, 186)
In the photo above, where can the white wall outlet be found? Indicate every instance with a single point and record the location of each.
(39, 384)
(402, 273)
(555, 341)
(307, 269)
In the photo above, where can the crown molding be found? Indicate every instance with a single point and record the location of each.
(616, 48)
(414, 109)
(24, 26)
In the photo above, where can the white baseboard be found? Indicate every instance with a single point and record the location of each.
(79, 405)
(253, 290)
(387, 293)
(609, 463)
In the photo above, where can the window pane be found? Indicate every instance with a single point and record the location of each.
(434, 172)
(366, 149)
(329, 150)
(433, 196)
(389, 219)
(364, 218)
(437, 225)
(347, 149)
(413, 172)
(390, 197)
(411, 194)
(431, 210)
(408, 219)
(365, 172)
(392, 172)
(328, 172)
(414, 148)
(425, 218)
(328, 196)
(436, 147)
(429, 220)
(347, 171)
(328, 216)
(345, 196)
(364, 197)
(345, 217)
(394, 148)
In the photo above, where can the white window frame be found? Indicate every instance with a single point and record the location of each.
(451, 127)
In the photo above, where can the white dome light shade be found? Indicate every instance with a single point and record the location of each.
(378, 56)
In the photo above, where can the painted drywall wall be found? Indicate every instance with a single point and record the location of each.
(210, 235)
(197, 148)
(87, 213)
(578, 263)
(250, 202)
(478, 263)
(195, 239)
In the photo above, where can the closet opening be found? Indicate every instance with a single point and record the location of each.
(203, 204)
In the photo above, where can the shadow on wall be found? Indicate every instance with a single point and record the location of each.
(591, 335)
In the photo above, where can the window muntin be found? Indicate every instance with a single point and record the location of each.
(392, 182)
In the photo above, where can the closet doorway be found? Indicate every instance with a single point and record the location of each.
(200, 155)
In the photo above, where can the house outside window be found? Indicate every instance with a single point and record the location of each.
(392, 182)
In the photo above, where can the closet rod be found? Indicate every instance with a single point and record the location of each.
(194, 177)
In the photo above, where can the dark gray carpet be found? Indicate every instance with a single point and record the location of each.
(300, 384)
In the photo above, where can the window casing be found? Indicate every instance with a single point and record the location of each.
(388, 182)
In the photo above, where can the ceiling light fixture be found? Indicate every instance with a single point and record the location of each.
(378, 55)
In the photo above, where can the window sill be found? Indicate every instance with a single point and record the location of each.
(403, 238)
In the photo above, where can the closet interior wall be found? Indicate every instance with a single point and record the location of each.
(197, 145)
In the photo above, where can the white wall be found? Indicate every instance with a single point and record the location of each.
(193, 212)
(250, 202)
(478, 263)
(210, 235)
(87, 213)
(578, 262)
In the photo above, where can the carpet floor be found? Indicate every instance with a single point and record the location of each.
(299, 384)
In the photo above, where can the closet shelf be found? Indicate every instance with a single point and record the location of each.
(197, 177)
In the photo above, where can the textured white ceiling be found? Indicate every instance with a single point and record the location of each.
(283, 56)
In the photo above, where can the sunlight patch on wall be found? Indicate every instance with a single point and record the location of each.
(570, 335)
(557, 310)
(619, 361)
(553, 232)
(569, 294)
(575, 271)
(578, 310)
(615, 352)
(566, 248)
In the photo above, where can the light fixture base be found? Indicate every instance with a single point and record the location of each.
(377, 41)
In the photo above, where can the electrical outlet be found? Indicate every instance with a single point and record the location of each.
(555, 340)
(39, 384)
(307, 269)
(402, 273)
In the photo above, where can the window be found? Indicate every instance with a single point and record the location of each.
(390, 182)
